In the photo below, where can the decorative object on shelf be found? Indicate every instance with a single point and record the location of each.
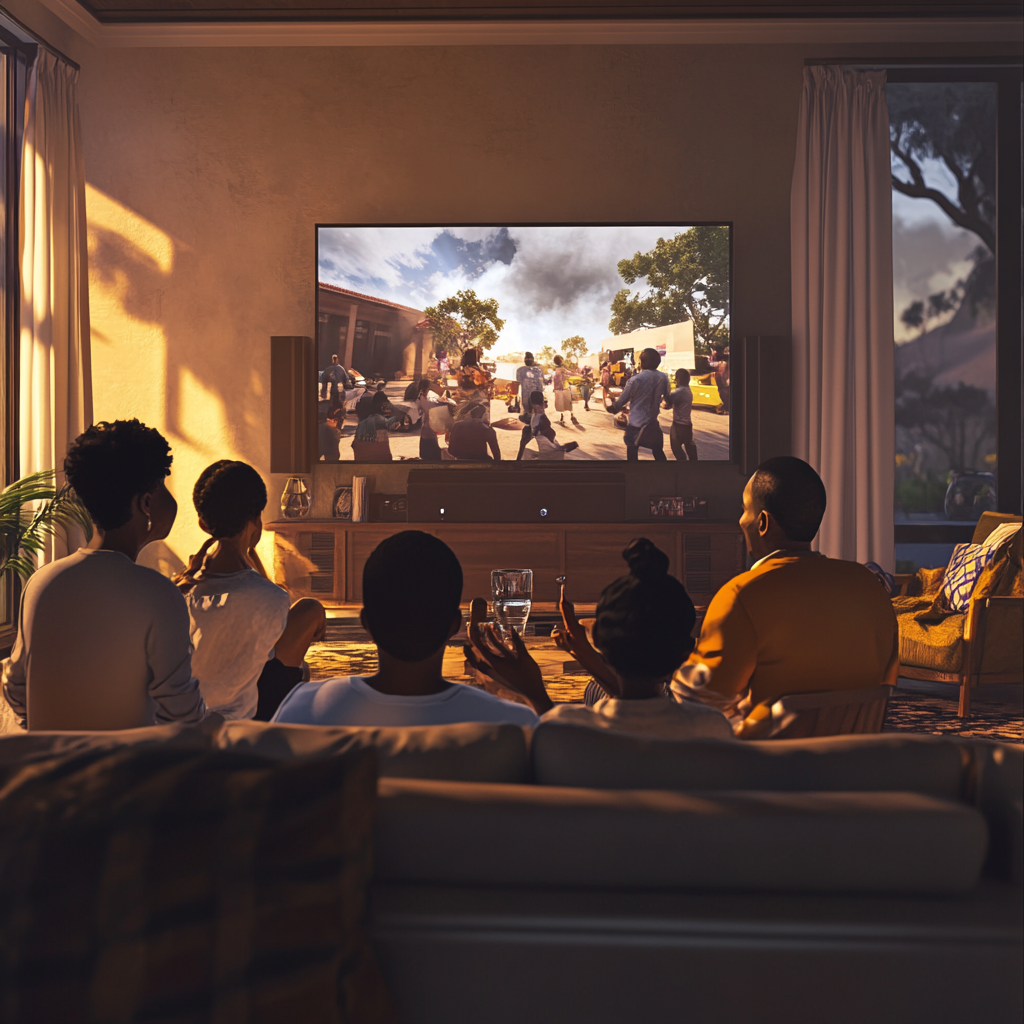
(668, 507)
(31, 511)
(295, 503)
(389, 508)
(970, 494)
(341, 506)
(360, 489)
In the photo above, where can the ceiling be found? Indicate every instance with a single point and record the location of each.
(200, 11)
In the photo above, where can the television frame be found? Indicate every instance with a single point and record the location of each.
(736, 412)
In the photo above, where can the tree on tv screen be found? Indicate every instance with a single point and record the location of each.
(574, 349)
(462, 320)
(687, 278)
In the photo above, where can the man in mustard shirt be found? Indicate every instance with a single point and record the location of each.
(796, 621)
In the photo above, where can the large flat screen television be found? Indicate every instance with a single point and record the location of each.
(540, 342)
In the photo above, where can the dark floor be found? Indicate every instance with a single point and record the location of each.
(997, 712)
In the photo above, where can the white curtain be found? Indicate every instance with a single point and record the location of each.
(55, 374)
(841, 251)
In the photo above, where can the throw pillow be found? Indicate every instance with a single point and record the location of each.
(965, 566)
(187, 886)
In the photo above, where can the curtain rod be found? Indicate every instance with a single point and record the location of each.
(918, 62)
(37, 39)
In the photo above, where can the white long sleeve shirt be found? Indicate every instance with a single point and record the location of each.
(102, 643)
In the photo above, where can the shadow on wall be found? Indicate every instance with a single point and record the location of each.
(161, 363)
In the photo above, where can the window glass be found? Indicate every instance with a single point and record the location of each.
(943, 139)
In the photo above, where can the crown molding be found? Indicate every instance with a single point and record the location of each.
(678, 32)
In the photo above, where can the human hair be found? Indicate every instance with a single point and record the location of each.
(537, 398)
(476, 411)
(558, 360)
(381, 404)
(400, 621)
(528, 358)
(228, 495)
(470, 357)
(111, 464)
(682, 378)
(792, 493)
(364, 407)
(645, 619)
(650, 359)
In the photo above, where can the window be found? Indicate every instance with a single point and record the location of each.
(955, 136)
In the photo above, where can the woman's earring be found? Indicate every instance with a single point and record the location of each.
(149, 525)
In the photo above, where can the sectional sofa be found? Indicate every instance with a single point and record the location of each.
(569, 874)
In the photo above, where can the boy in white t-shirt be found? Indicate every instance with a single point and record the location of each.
(680, 401)
(249, 645)
(410, 623)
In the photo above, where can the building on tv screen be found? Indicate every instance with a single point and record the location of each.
(480, 344)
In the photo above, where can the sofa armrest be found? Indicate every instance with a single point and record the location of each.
(996, 626)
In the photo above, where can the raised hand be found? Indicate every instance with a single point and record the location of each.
(572, 638)
(513, 669)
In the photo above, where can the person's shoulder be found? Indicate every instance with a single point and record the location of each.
(577, 714)
(473, 696)
(312, 703)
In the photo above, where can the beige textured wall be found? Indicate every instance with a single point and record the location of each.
(208, 169)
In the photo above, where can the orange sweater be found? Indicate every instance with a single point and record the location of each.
(793, 624)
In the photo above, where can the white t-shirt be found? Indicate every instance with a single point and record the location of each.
(236, 619)
(102, 644)
(350, 700)
(656, 717)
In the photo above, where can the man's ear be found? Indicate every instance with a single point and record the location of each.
(456, 623)
(764, 523)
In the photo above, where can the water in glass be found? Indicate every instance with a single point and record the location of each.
(511, 595)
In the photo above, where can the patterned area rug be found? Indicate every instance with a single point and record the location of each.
(997, 712)
(998, 715)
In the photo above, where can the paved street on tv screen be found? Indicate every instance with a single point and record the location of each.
(598, 436)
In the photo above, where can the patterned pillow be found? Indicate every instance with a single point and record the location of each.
(178, 885)
(965, 566)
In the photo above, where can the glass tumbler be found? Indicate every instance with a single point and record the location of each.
(512, 598)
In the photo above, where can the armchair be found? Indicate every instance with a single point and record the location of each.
(985, 644)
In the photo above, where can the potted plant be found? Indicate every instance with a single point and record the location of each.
(31, 511)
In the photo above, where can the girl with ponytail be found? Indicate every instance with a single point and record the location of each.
(642, 633)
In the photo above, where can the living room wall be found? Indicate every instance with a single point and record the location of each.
(208, 169)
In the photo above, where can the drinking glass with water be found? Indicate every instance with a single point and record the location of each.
(512, 598)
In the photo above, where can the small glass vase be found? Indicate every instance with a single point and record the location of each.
(295, 503)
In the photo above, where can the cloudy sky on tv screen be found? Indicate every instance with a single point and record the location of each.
(550, 283)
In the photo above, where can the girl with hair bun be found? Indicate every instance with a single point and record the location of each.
(642, 633)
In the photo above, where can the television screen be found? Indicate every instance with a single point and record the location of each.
(540, 342)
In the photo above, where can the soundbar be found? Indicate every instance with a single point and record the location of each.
(513, 496)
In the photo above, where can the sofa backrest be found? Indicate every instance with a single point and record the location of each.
(573, 755)
(466, 752)
(456, 833)
(989, 521)
(25, 747)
